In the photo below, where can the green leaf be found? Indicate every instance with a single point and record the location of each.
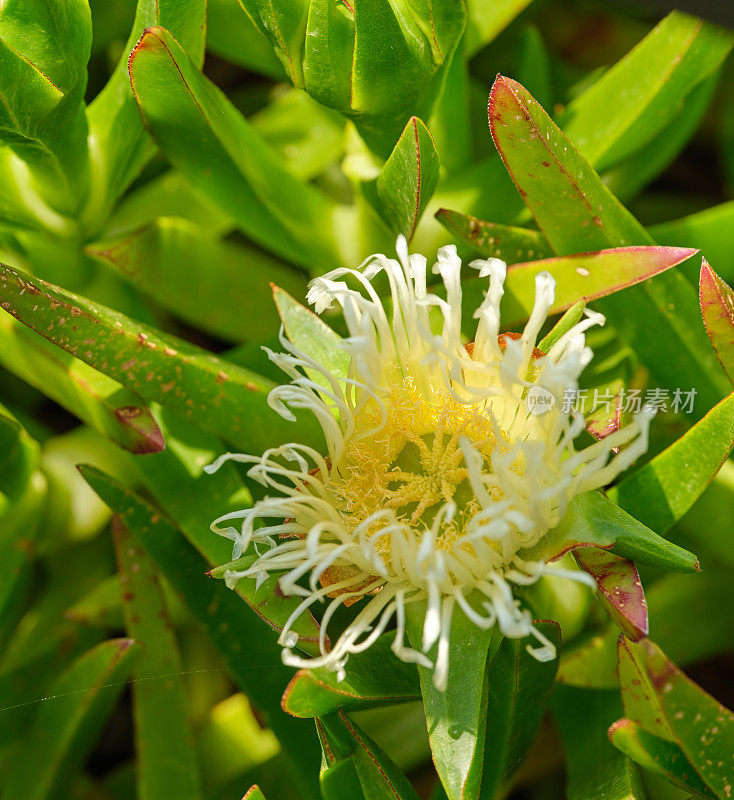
(628, 178)
(168, 257)
(457, 715)
(657, 319)
(166, 762)
(374, 677)
(657, 755)
(662, 491)
(594, 768)
(407, 181)
(534, 68)
(218, 396)
(44, 50)
(594, 520)
(664, 702)
(313, 336)
(122, 144)
(254, 793)
(247, 647)
(586, 275)
(379, 776)
(620, 589)
(711, 231)
(205, 136)
(491, 240)
(101, 402)
(69, 720)
(307, 137)
(19, 455)
(717, 307)
(519, 692)
(487, 20)
(634, 100)
(231, 34)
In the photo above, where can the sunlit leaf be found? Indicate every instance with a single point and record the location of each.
(717, 307)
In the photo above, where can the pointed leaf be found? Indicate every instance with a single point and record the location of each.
(594, 768)
(204, 135)
(519, 692)
(123, 145)
(511, 244)
(166, 761)
(220, 397)
(69, 720)
(620, 589)
(657, 755)
(662, 491)
(586, 216)
(405, 184)
(168, 257)
(639, 95)
(664, 702)
(101, 402)
(310, 333)
(585, 275)
(457, 715)
(381, 779)
(373, 677)
(247, 647)
(717, 307)
(591, 519)
(254, 793)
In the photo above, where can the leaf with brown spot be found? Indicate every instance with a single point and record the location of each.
(620, 589)
(160, 367)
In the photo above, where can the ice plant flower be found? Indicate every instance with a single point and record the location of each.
(439, 477)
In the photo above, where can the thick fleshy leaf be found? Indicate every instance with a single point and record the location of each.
(594, 768)
(664, 702)
(594, 520)
(313, 336)
(264, 602)
(166, 761)
(717, 307)
(635, 99)
(168, 257)
(660, 756)
(68, 721)
(662, 491)
(406, 182)
(44, 50)
(380, 778)
(204, 135)
(231, 34)
(123, 145)
(586, 275)
(629, 177)
(457, 715)
(101, 402)
(246, 646)
(374, 677)
(656, 319)
(254, 793)
(685, 612)
(620, 589)
(356, 767)
(511, 244)
(519, 692)
(308, 138)
(221, 397)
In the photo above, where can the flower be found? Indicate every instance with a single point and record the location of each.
(440, 475)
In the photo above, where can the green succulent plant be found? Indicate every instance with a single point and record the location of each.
(160, 224)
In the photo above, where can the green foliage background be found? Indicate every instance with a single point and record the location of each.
(145, 209)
